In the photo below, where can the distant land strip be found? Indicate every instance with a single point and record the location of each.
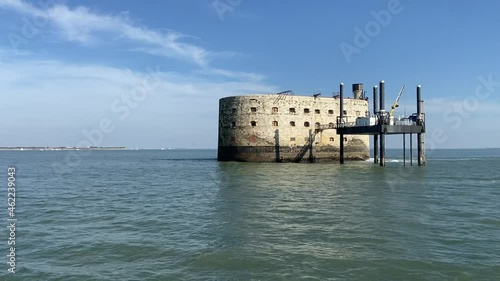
(63, 148)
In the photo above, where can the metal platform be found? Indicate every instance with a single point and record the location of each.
(381, 129)
(384, 124)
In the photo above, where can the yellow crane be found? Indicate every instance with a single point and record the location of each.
(393, 107)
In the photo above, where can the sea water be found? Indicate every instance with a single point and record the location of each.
(181, 215)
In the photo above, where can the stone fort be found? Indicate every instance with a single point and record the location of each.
(285, 127)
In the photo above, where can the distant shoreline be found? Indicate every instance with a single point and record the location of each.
(104, 148)
(64, 148)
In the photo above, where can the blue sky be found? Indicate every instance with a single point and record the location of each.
(149, 74)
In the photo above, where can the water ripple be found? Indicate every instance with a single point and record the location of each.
(179, 215)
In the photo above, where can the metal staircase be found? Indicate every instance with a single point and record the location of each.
(312, 136)
(306, 147)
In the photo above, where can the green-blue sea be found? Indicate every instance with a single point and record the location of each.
(181, 215)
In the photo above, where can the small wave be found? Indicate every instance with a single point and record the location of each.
(390, 160)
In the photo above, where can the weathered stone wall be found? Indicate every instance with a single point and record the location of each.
(248, 126)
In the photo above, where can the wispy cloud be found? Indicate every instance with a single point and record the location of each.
(85, 91)
(84, 26)
(55, 100)
(19, 6)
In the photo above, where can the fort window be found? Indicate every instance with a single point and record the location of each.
(306, 110)
(317, 124)
(233, 110)
(275, 123)
(317, 111)
(332, 139)
(306, 124)
(292, 123)
(253, 109)
(367, 113)
(330, 111)
(233, 124)
(345, 139)
(292, 139)
(345, 112)
(253, 123)
(330, 125)
(275, 110)
(292, 109)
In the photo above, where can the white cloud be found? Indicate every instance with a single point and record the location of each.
(84, 26)
(459, 123)
(19, 6)
(455, 122)
(49, 102)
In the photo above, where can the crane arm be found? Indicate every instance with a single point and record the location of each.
(393, 107)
